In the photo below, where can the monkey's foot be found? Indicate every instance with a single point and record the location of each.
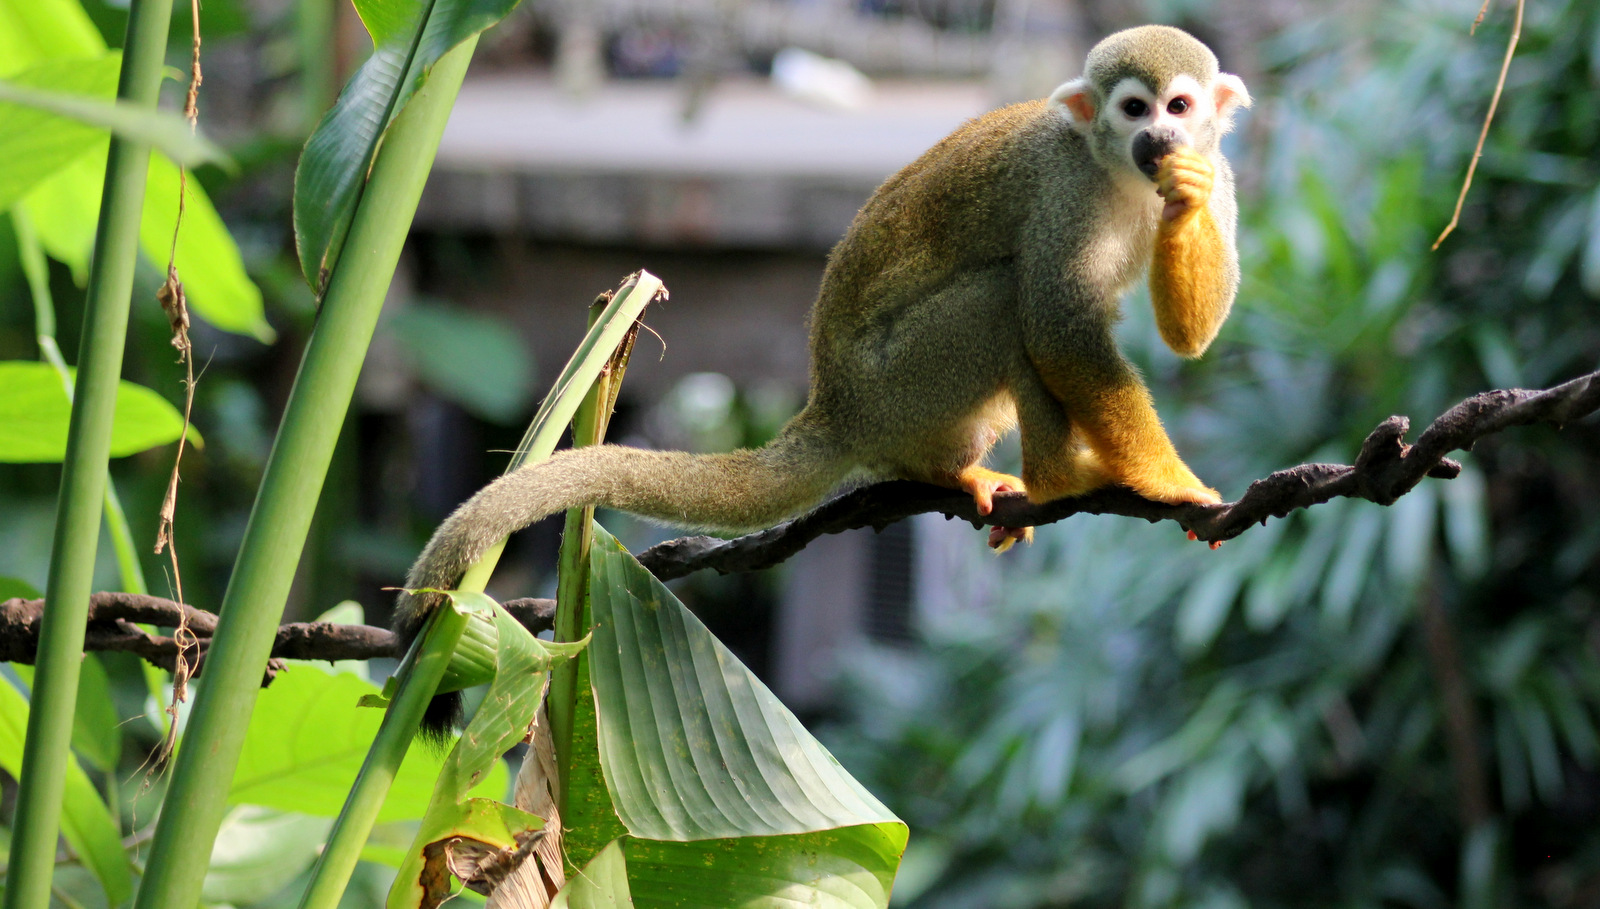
(982, 483)
(1214, 544)
(1003, 538)
(1184, 179)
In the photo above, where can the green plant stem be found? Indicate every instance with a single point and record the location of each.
(572, 571)
(315, 22)
(419, 677)
(83, 476)
(279, 522)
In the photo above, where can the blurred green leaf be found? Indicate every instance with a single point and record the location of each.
(1206, 607)
(15, 587)
(64, 209)
(34, 92)
(34, 413)
(259, 851)
(35, 30)
(208, 260)
(96, 728)
(36, 143)
(307, 738)
(473, 359)
(1410, 536)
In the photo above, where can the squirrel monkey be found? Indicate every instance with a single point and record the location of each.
(975, 291)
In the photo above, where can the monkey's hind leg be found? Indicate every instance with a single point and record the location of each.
(1109, 409)
(1121, 425)
(1057, 462)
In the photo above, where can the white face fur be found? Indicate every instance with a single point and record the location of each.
(1198, 114)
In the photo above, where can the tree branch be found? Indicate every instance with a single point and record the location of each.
(112, 618)
(1386, 469)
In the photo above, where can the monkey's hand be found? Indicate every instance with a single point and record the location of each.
(1184, 179)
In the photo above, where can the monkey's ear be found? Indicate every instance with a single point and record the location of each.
(1074, 102)
(1229, 93)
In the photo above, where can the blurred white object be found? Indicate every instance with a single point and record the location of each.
(820, 80)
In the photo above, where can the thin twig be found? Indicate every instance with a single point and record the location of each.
(176, 305)
(1494, 102)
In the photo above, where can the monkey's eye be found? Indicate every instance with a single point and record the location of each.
(1177, 105)
(1135, 108)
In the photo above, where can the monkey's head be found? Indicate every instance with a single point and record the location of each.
(1147, 91)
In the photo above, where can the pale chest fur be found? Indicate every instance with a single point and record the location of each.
(1118, 253)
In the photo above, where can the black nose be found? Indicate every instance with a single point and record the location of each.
(1150, 146)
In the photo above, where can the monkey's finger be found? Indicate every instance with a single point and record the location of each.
(983, 497)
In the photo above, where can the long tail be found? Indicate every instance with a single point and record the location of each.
(740, 490)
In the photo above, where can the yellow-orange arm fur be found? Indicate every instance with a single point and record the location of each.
(1190, 282)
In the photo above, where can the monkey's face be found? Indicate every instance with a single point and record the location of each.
(1131, 127)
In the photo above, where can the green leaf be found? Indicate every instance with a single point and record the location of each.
(36, 30)
(64, 209)
(35, 143)
(693, 745)
(34, 412)
(258, 851)
(307, 739)
(96, 728)
(16, 587)
(489, 822)
(474, 359)
(158, 129)
(603, 883)
(86, 823)
(410, 38)
(208, 260)
(501, 720)
(849, 867)
(590, 818)
(386, 19)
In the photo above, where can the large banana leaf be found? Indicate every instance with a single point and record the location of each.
(727, 799)
(408, 38)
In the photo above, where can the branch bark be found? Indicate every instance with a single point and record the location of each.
(113, 617)
(1385, 469)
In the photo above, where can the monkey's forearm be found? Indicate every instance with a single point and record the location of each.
(1192, 281)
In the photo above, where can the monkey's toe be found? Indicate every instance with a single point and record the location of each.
(1003, 538)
